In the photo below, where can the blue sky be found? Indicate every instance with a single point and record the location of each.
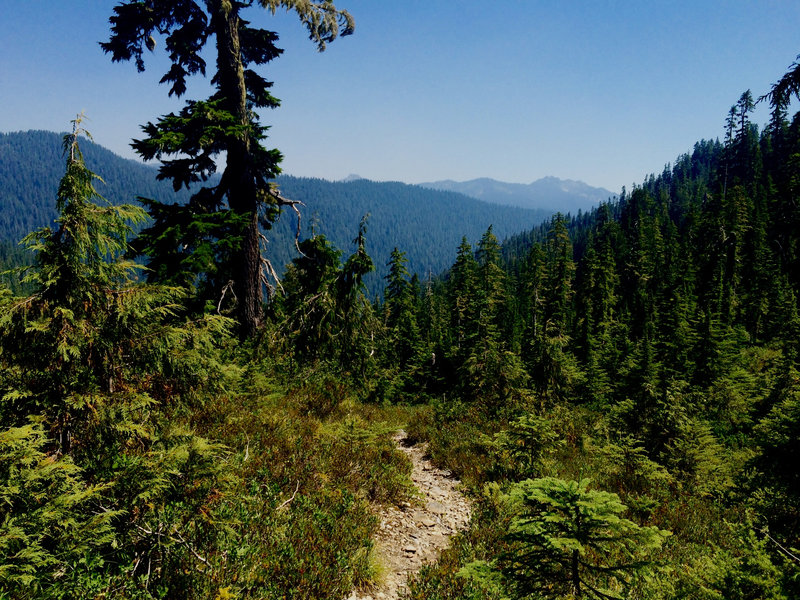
(604, 91)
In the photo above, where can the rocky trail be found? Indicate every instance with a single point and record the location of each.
(414, 533)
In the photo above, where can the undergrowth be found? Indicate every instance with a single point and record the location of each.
(307, 461)
(572, 443)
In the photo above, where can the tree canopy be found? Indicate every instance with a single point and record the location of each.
(215, 241)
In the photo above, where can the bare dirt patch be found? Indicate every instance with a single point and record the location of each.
(415, 533)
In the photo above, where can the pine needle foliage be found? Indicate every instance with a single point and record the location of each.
(215, 242)
(47, 517)
(94, 366)
(572, 542)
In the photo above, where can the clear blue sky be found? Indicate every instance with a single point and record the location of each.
(603, 91)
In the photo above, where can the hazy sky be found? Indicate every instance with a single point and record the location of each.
(604, 91)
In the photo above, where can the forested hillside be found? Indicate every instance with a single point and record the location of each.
(618, 391)
(31, 165)
(651, 346)
(427, 224)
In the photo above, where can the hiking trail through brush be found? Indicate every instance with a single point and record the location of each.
(413, 534)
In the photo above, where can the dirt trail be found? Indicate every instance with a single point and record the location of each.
(414, 534)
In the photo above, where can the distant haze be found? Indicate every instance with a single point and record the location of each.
(548, 193)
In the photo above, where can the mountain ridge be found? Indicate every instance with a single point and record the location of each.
(548, 193)
(426, 224)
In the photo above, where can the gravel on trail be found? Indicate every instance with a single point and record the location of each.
(413, 534)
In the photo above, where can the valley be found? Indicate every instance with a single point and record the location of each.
(458, 390)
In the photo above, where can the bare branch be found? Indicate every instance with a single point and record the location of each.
(228, 286)
(782, 548)
(267, 265)
(189, 547)
(275, 192)
(287, 502)
(24, 302)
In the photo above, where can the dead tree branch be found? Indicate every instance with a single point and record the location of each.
(287, 502)
(228, 286)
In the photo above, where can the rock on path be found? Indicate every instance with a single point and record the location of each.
(412, 535)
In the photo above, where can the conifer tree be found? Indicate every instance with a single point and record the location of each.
(598, 302)
(405, 355)
(357, 348)
(571, 542)
(397, 293)
(786, 87)
(642, 256)
(552, 365)
(461, 290)
(677, 302)
(533, 281)
(327, 316)
(403, 335)
(560, 276)
(310, 302)
(491, 289)
(433, 319)
(488, 370)
(216, 237)
(78, 276)
(86, 360)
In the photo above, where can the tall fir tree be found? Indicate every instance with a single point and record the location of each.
(551, 363)
(403, 334)
(461, 290)
(325, 314)
(216, 237)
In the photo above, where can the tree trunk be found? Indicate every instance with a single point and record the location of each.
(238, 176)
(576, 575)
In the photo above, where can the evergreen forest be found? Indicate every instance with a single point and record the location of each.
(31, 166)
(618, 391)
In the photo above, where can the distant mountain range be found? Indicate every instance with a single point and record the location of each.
(549, 194)
(425, 223)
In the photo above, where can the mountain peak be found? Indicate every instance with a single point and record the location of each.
(548, 193)
(351, 177)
